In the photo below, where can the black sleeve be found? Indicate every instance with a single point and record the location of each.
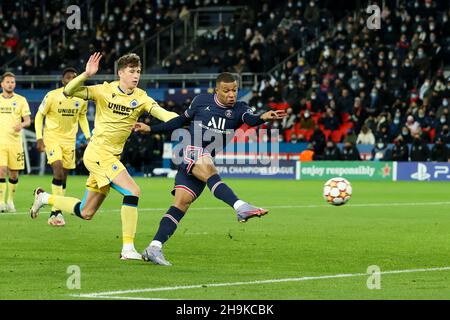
(170, 125)
(251, 119)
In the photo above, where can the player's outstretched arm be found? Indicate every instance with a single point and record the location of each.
(171, 125)
(162, 114)
(75, 87)
(253, 120)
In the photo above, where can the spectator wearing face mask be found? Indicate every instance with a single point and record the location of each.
(354, 81)
(366, 136)
(331, 152)
(374, 102)
(306, 121)
(312, 15)
(316, 104)
(383, 134)
(381, 152)
(329, 120)
(395, 84)
(413, 125)
(425, 123)
(400, 150)
(439, 151)
(444, 134)
(290, 93)
(396, 124)
(441, 122)
(422, 61)
(419, 149)
(293, 138)
(406, 135)
(350, 152)
(288, 121)
(408, 74)
(345, 102)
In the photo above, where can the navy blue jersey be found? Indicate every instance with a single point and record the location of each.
(211, 121)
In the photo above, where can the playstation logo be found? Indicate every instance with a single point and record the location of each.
(421, 173)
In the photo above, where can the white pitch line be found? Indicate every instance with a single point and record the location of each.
(394, 204)
(231, 284)
(123, 298)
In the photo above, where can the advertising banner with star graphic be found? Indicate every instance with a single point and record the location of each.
(352, 170)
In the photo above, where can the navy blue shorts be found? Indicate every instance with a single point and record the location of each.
(184, 179)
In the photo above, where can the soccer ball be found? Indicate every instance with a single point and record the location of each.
(337, 191)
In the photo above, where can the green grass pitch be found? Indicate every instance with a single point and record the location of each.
(303, 249)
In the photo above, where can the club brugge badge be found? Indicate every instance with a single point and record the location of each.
(115, 167)
(14, 104)
(77, 104)
(228, 113)
(134, 103)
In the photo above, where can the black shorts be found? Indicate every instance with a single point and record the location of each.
(184, 179)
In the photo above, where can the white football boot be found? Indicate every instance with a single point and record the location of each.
(57, 220)
(130, 255)
(38, 202)
(10, 207)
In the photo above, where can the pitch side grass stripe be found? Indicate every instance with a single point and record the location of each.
(232, 284)
(395, 204)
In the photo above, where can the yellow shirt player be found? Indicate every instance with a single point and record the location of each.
(62, 115)
(14, 116)
(118, 106)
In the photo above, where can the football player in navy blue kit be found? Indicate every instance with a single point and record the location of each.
(211, 117)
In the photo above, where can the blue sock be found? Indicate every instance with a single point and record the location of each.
(221, 191)
(168, 224)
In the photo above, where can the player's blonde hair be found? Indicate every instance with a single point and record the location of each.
(7, 74)
(129, 60)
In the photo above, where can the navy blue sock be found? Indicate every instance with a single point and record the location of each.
(221, 191)
(57, 182)
(168, 224)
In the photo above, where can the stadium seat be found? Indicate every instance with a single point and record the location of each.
(432, 134)
(345, 117)
(336, 136)
(327, 134)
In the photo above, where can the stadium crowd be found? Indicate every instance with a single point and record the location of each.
(258, 40)
(251, 40)
(24, 24)
(349, 84)
(378, 86)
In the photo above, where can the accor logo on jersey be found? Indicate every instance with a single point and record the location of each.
(118, 109)
(67, 112)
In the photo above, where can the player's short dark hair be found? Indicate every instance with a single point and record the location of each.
(225, 77)
(69, 69)
(7, 74)
(129, 60)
